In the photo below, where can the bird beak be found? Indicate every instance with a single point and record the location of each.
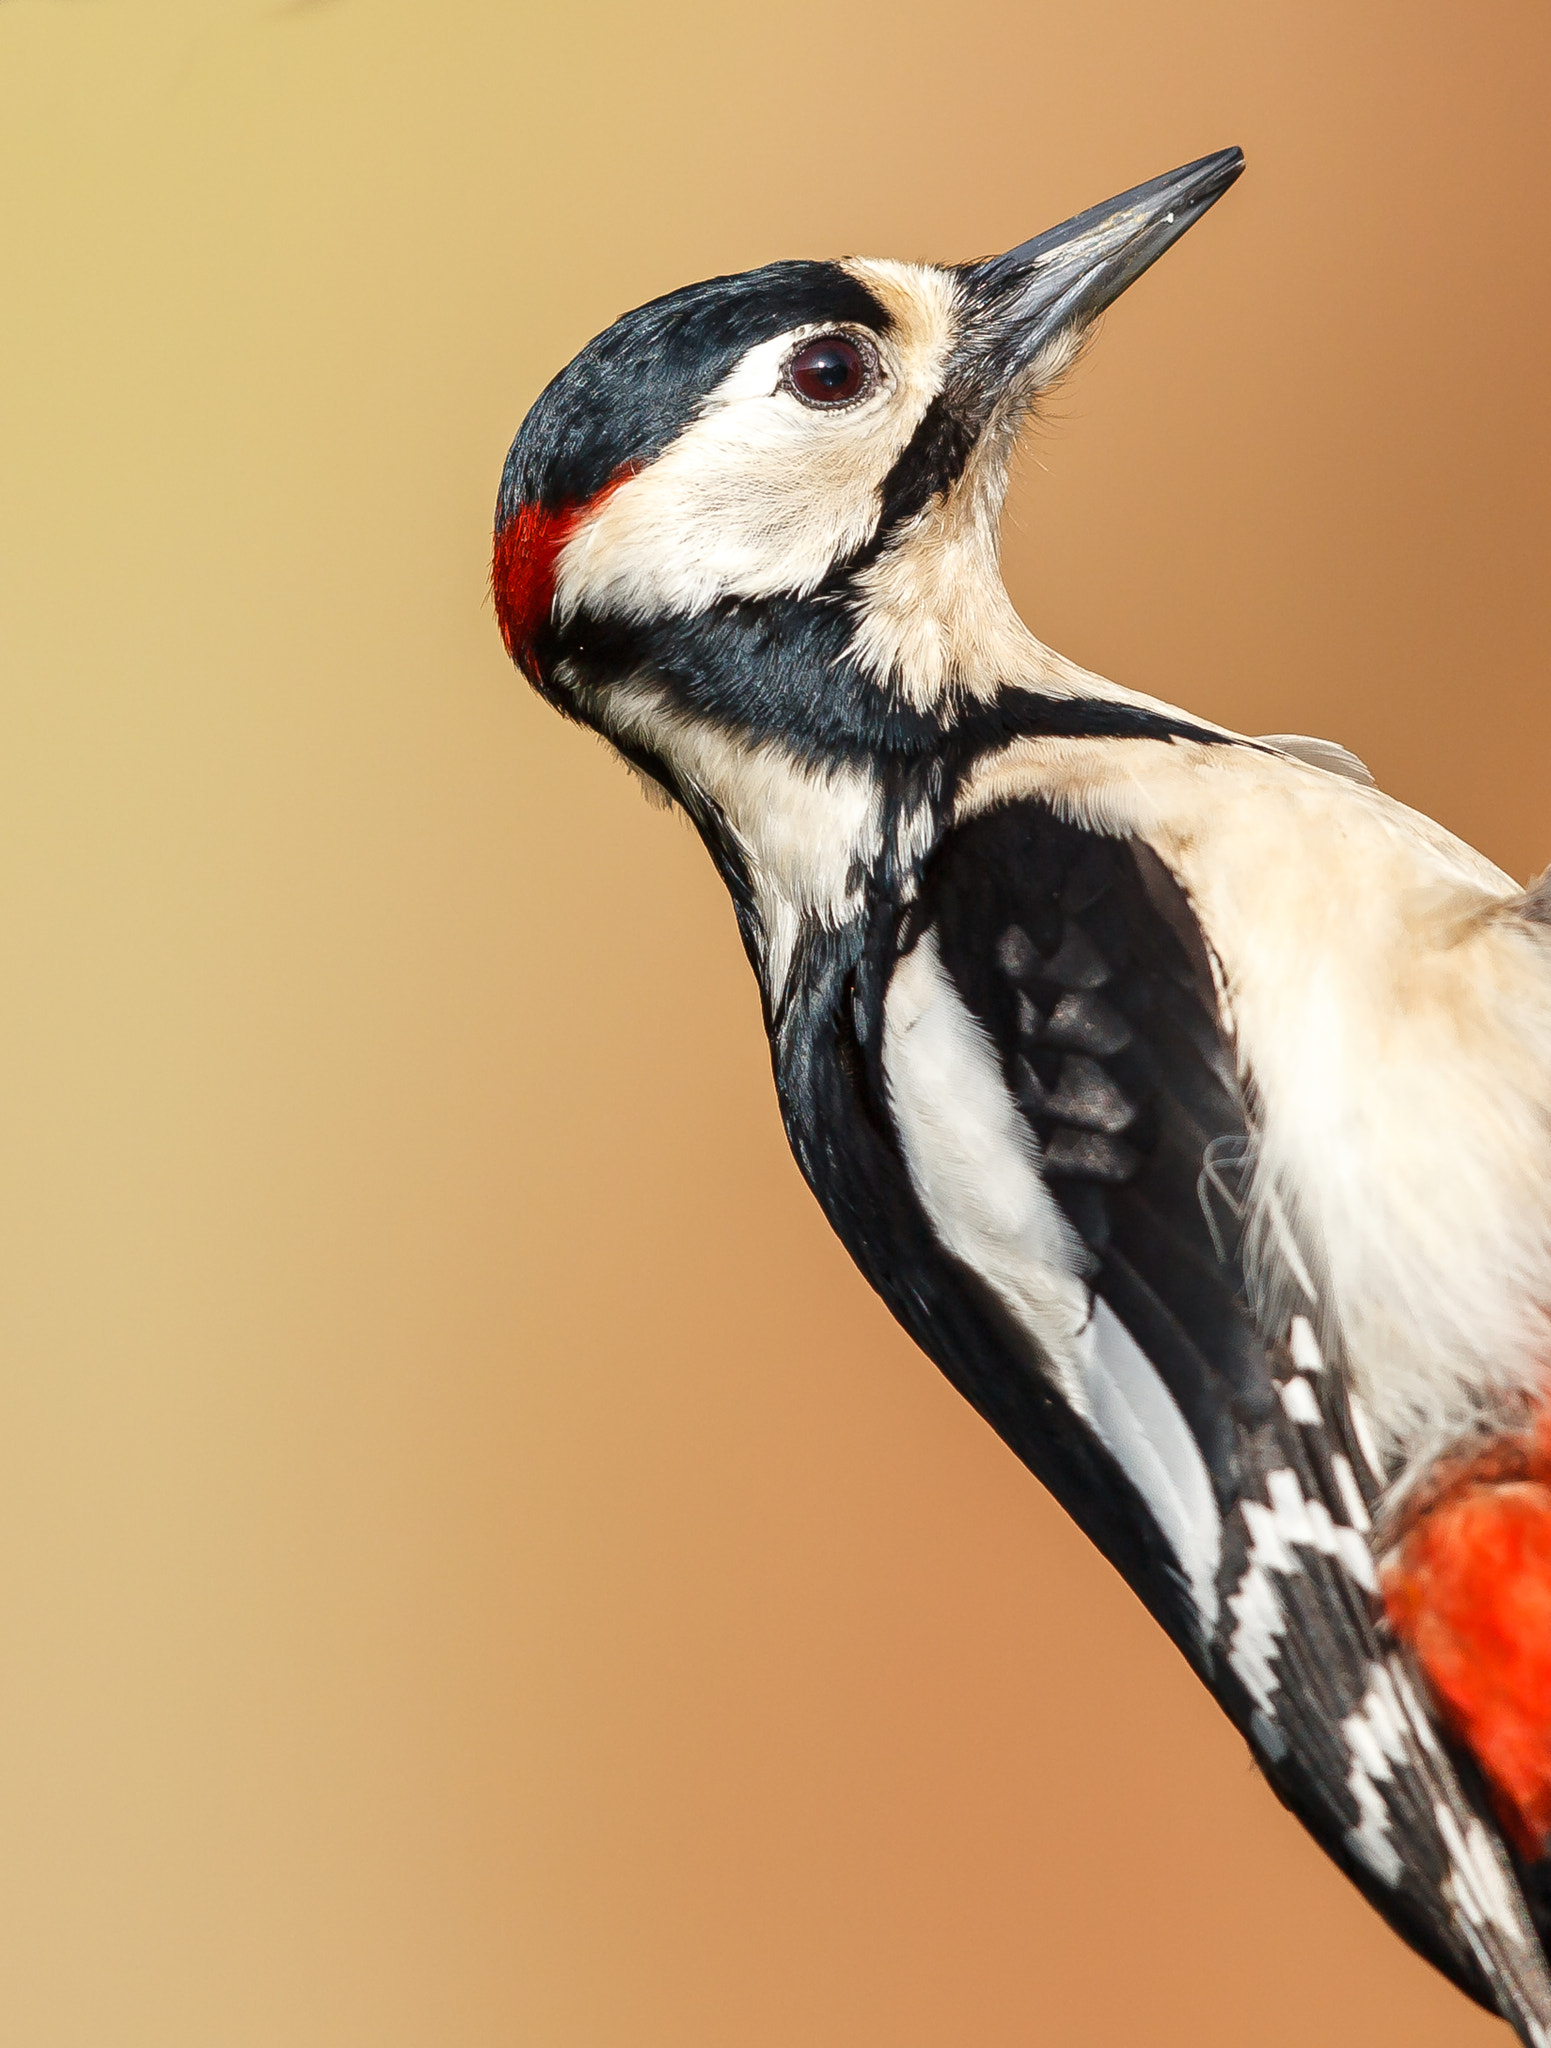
(1043, 290)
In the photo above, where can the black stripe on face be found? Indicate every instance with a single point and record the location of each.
(932, 463)
(636, 386)
(782, 669)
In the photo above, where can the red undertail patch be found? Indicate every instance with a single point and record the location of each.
(522, 572)
(1468, 1588)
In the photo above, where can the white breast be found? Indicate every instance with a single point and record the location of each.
(1397, 1028)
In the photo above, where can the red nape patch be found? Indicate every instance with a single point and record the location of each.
(522, 573)
(1469, 1590)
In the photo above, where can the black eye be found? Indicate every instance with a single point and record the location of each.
(833, 370)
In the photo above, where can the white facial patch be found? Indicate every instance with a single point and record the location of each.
(974, 1165)
(762, 494)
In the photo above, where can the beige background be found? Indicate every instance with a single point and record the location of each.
(476, 1567)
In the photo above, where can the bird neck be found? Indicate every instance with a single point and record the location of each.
(818, 789)
(805, 841)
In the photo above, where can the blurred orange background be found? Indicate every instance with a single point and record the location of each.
(476, 1565)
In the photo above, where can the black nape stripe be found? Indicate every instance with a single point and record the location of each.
(1024, 714)
(781, 669)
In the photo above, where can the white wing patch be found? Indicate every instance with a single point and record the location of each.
(1376, 1740)
(1276, 1527)
(1140, 1424)
(1483, 1890)
(1304, 1346)
(974, 1165)
(1298, 1399)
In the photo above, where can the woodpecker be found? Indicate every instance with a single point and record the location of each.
(1186, 1098)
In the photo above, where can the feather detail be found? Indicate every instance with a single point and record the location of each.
(1327, 754)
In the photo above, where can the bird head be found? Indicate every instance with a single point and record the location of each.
(769, 503)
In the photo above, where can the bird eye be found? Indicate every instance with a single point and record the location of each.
(834, 370)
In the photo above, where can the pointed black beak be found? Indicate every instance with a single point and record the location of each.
(1022, 302)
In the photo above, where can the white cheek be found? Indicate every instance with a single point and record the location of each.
(761, 494)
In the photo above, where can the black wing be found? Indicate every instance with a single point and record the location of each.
(1081, 959)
